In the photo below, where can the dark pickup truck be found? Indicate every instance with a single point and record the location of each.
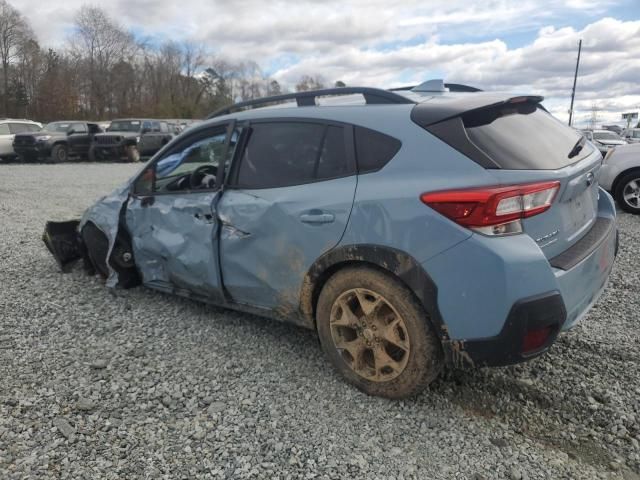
(128, 139)
(57, 141)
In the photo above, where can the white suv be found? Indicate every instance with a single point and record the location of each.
(8, 129)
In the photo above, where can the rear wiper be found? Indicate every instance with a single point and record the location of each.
(577, 148)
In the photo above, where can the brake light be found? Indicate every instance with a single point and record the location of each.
(494, 210)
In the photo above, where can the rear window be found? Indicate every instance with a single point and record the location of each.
(374, 149)
(523, 136)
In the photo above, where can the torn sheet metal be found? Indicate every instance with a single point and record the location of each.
(105, 215)
(174, 241)
(63, 241)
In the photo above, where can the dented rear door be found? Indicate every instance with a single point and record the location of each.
(289, 202)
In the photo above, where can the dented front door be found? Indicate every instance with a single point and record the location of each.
(270, 237)
(172, 215)
(174, 242)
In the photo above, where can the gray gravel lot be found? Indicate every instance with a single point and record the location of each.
(144, 385)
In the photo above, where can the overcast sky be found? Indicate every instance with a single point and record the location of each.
(527, 46)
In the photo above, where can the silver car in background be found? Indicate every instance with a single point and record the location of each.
(620, 175)
(632, 135)
(604, 139)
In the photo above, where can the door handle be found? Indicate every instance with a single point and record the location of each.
(205, 217)
(317, 217)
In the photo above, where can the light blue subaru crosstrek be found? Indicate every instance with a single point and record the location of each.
(413, 229)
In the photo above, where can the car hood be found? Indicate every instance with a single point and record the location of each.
(611, 142)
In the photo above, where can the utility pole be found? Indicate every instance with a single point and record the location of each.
(575, 79)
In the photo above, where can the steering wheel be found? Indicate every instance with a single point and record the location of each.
(199, 174)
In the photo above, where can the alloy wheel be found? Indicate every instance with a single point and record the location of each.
(631, 193)
(370, 335)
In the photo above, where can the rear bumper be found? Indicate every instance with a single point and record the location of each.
(493, 292)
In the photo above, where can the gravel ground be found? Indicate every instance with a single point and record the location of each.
(144, 385)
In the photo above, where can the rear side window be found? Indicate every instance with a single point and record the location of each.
(18, 127)
(285, 154)
(523, 137)
(374, 149)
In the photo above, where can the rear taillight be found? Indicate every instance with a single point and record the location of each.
(536, 339)
(494, 210)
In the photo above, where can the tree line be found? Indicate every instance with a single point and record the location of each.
(103, 72)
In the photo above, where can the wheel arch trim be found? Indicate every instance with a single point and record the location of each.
(400, 264)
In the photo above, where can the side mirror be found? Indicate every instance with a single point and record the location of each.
(145, 130)
(71, 131)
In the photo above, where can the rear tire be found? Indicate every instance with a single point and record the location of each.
(627, 192)
(376, 334)
(59, 153)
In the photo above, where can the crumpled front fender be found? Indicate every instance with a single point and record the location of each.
(105, 215)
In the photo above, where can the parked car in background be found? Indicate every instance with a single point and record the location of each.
(410, 229)
(620, 175)
(614, 128)
(604, 139)
(57, 141)
(632, 135)
(8, 129)
(129, 139)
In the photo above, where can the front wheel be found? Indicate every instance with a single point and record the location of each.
(376, 334)
(59, 153)
(627, 192)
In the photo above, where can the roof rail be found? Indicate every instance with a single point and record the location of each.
(453, 87)
(306, 99)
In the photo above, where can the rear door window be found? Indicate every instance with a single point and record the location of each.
(282, 154)
(374, 149)
(18, 128)
(523, 136)
(79, 128)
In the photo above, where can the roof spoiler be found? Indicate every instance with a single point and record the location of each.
(444, 108)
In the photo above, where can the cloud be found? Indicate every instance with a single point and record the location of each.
(392, 42)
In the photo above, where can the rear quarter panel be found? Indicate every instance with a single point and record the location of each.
(387, 210)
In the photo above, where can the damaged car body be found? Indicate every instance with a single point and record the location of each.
(417, 230)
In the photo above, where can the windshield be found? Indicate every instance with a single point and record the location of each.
(605, 136)
(62, 127)
(125, 126)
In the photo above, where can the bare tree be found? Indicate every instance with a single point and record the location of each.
(14, 33)
(307, 83)
(98, 44)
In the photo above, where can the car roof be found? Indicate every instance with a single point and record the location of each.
(23, 120)
(430, 107)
